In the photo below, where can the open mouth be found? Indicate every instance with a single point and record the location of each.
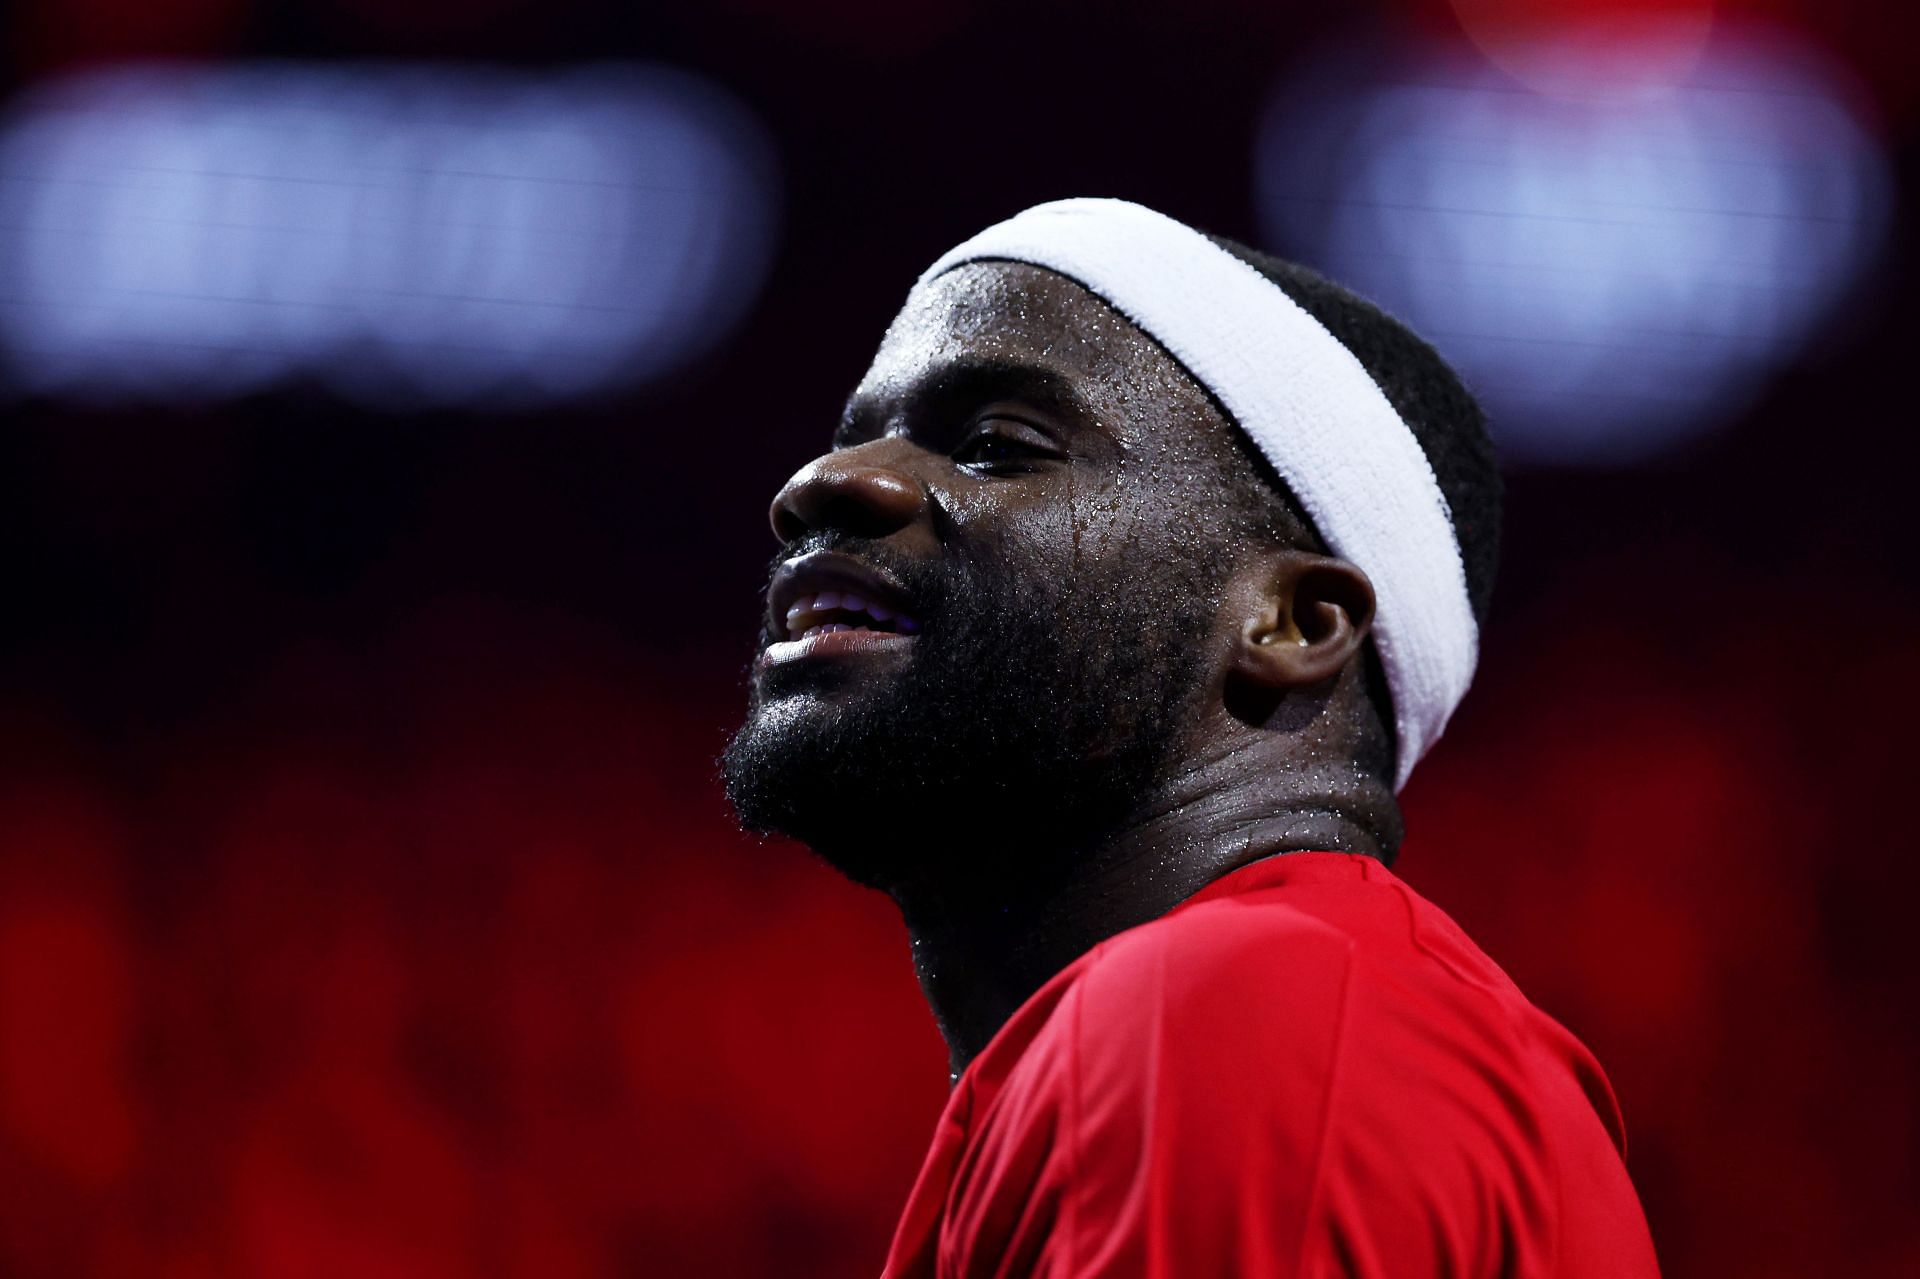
(831, 611)
(826, 602)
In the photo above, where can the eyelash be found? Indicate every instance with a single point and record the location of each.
(1027, 451)
(977, 439)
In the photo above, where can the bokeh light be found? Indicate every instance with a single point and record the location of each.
(412, 236)
(1616, 251)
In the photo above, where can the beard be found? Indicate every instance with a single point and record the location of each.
(1032, 715)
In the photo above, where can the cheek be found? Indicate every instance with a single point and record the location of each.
(1129, 523)
(1063, 532)
(1100, 559)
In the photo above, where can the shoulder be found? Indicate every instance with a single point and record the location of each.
(1270, 1007)
(1235, 940)
(1281, 966)
(1330, 1047)
(1341, 935)
(1220, 980)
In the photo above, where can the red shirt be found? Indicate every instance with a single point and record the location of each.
(1306, 1069)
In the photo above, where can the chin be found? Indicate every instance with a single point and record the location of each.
(803, 768)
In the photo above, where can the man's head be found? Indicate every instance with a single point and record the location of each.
(1088, 582)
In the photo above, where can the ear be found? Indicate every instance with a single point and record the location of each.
(1303, 617)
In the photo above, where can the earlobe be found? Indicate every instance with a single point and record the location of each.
(1307, 617)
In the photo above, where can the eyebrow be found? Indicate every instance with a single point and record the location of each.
(955, 387)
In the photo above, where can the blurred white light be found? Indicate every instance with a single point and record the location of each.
(1613, 264)
(412, 236)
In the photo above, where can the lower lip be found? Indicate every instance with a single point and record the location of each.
(834, 644)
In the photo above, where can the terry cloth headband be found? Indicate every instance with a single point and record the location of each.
(1310, 407)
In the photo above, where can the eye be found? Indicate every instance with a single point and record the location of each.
(1004, 444)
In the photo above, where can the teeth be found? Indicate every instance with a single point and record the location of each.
(800, 612)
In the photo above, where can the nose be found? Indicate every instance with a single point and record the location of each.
(840, 492)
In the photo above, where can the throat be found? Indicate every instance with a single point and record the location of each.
(977, 966)
(985, 938)
(982, 949)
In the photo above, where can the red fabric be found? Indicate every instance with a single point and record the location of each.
(1304, 1070)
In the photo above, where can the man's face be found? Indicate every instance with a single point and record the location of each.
(1023, 503)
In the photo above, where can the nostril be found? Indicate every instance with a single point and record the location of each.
(787, 526)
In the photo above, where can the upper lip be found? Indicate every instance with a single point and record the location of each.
(819, 571)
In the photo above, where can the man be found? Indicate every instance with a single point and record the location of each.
(1141, 572)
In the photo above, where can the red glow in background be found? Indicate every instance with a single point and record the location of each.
(367, 902)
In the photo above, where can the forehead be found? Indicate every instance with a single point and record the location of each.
(1014, 313)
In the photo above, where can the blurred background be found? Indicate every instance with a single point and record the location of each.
(392, 394)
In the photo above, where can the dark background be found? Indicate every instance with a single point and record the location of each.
(367, 903)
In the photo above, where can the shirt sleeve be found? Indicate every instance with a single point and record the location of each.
(1251, 1101)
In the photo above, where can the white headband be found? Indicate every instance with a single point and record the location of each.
(1310, 406)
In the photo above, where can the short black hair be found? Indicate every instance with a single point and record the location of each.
(1426, 393)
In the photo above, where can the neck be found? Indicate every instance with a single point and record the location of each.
(982, 949)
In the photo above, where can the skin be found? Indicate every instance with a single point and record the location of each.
(1086, 464)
